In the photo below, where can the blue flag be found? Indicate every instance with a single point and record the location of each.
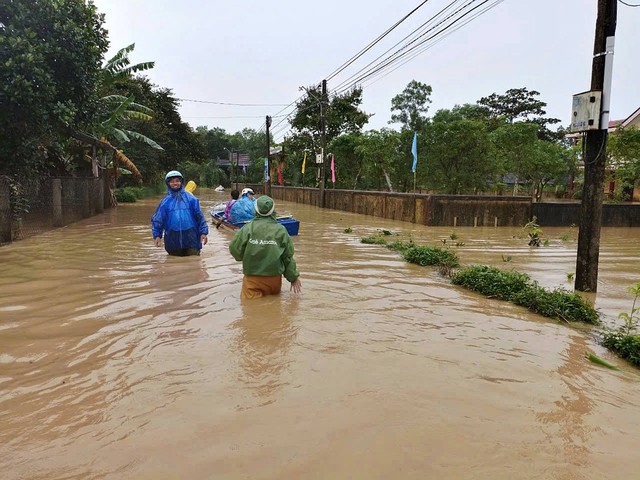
(266, 169)
(414, 151)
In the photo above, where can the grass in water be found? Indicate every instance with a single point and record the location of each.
(518, 288)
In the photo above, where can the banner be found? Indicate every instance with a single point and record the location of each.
(304, 162)
(414, 151)
(333, 168)
(266, 169)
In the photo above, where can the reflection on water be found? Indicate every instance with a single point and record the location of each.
(117, 361)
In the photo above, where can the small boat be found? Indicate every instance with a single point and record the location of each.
(287, 221)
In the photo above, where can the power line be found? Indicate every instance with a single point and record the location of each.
(233, 104)
(411, 36)
(233, 116)
(397, 55)
(371, 44)
(432, 44)
(629, 4)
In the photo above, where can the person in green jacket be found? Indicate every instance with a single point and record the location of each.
(266, 251)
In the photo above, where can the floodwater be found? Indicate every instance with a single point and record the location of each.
(117, 361)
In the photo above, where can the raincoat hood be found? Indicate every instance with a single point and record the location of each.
(265, 206)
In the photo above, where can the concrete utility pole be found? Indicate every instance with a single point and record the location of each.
(267, 181)
(323, 148)
(595, 152)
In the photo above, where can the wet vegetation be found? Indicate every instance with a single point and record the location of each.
(625, 341)
(518, 288)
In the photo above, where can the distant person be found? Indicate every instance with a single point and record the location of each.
(227, 210)
(179, 219)
(266, 251)
(243, 209)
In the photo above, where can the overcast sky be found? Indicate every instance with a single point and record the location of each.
(260, 52)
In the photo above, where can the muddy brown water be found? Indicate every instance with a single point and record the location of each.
(117, 361)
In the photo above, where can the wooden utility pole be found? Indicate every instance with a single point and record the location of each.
(267, 168)
(323, 148)
(595, 152)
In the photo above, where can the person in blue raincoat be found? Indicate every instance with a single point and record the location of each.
(243, 209)
(179, 219)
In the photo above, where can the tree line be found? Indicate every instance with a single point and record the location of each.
(60, 97)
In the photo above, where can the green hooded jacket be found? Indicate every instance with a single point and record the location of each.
(264, 246)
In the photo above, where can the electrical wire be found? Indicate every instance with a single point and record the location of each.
(629, 4)
(373, 43)
(398, 54)
(411, 36)
(427, 47)
(233, 104)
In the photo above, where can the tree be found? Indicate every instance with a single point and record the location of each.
(519, 104)
(381, 157)
(342, 114)
(411, 106)
(623, 152)
(50, 56)
(459, 157)
(514, 145)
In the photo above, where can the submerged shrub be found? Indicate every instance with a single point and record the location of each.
(518, 288)
(492, 282)
(373, 240)
(425, 255)
(558, 303)
(625, 345)
(400, 246)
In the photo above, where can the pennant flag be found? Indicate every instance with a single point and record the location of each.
(333, 169)
(280, 180)
(304, 162)
(414, 151)
(266, 169)
(244, 169)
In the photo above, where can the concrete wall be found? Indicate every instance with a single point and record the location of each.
(456, 210)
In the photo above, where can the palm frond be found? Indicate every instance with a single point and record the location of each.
(145, 139)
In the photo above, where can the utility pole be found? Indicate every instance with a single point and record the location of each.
(267, 168)
(595, 152)
(323, 147)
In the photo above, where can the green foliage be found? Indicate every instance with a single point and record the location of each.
(625, 345)
(400, 246)
(373, 240)
(518, 288)
(50, 53)
(460, 155)
(348, 230)
(426, 255)
(600, 361)
(534, 232)
(411, 105)
(131, 194)
(125, 195)
(558, 303)
(342, 111)
(519, 104)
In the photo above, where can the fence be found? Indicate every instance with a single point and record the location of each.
(32, 206)
(456, 210)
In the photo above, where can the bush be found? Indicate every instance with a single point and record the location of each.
(492, 282)
(425, 255)
(125, 195)
(373, 240)
(625, 345)
(518, 288)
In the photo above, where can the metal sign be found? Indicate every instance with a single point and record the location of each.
(585, 114)
(319, 158)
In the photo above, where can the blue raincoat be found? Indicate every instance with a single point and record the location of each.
(180, 219)
(243, 209)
